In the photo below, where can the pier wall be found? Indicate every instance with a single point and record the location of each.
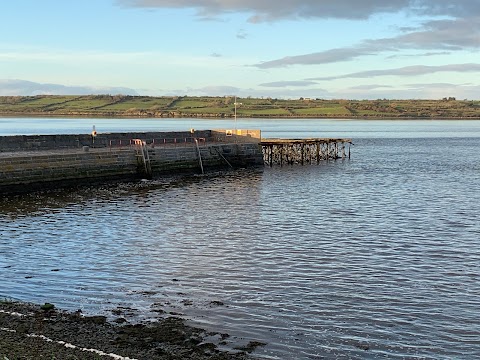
(26, 171)
(213, 156)
(29, 162)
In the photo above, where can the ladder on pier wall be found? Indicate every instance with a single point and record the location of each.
(199, 156)
(143, 157)
(304, 151)
(217, 151)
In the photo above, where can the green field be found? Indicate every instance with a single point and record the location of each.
(206, 106)
(327, 111)
(263, 112)
(139, 103)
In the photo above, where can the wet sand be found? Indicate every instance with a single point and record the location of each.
(40, 332)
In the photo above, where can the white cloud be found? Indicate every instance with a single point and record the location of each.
(405, 71)
(242, 34)
(215, 90)
(427, 54)
(300, 83)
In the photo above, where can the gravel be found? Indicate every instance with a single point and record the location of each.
(30, 331)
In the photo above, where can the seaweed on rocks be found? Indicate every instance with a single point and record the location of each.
(29, 332)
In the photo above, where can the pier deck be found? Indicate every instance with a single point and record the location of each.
(304, 151)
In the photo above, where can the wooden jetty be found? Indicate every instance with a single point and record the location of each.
(304, 151)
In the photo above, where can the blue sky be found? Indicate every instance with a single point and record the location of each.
(356, 49)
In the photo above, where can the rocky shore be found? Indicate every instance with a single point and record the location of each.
(42, 332)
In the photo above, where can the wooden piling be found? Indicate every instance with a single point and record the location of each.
(302, 151)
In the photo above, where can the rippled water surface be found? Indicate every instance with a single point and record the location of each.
(374, 257)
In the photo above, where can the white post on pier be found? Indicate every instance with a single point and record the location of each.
(235, 116)
(94, 135)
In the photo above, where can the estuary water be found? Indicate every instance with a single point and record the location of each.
(376, 257)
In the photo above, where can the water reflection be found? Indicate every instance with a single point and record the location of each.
(281, 128)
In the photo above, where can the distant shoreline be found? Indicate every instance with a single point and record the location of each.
(124, 116)
(173, 107)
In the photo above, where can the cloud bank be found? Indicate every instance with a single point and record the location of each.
(29, 88)
(451, 35)
(273, 10)
(404, 71)
(360, 92)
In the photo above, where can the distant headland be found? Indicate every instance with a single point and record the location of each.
(227, 106)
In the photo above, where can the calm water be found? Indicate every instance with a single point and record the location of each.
(379, 252)
(282, 128)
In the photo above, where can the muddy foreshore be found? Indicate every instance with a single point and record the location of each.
(41, 332)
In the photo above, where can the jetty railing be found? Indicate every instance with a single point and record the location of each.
(158, 142)
(99, 141)
(304, 151)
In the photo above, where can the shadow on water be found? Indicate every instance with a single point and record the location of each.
(50, 199)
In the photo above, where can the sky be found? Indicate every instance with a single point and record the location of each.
(328, 49)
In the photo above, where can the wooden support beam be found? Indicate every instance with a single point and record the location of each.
(301, 151)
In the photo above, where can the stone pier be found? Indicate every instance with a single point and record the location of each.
(38, 161)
